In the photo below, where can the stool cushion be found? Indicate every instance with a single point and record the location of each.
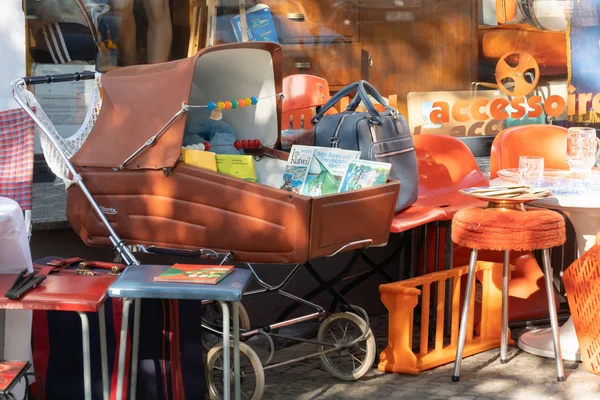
(497, 229)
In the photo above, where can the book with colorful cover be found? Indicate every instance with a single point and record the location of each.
(362, 174)
(10, 373)
(326, 170)
(193, 273)
(260, 25)
(296, 168)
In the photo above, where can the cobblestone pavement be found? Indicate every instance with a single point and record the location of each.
(483, 377)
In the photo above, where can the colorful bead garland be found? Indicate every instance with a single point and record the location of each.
(227, 104)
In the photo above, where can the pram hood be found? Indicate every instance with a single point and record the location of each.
(139, 101)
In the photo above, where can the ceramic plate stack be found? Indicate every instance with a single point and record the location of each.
(512, 194)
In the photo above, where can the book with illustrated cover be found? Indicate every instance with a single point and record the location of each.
(193, 273)
(364, 174)
(326, 170)
(10, 373)
(296, 168)
(260, 25)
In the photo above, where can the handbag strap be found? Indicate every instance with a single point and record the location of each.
(333, 100)
(365, 89)
(369, 89)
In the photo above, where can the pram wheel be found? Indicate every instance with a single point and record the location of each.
(213, 317)
(349, 362)
(252, 374)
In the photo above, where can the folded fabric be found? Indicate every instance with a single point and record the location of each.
(218, 133)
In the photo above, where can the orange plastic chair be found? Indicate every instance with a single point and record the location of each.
(446, 165)
(548, 141)
(302, 94)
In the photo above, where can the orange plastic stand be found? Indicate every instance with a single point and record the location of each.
(582, 284)
(400, 298)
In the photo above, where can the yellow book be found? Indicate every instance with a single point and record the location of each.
(200, 158)
(240, 166)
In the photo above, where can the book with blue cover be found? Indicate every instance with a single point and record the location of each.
(260, 25)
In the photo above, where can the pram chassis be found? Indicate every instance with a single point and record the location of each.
(126, 254)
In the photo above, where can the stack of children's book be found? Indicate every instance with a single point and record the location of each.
(317, 171)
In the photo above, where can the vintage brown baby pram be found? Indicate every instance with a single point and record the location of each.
(127, 188)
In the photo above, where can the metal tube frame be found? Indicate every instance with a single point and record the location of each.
(504, 334)
(462, 333)
(123, 347)
(103, 353)
(560, 373)
(135, 345)
(150, 142)
(266, 330)
(87, 368)
(226, 356)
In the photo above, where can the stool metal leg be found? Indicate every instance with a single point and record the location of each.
(123, 347)
(462, 333)
(560, 374)
(226, 360)
(236, 351)
(87, 372)
(504, 334)
(103, 354)
(135, 345)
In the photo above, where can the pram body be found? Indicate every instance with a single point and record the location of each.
(130, 190)
(156, 200)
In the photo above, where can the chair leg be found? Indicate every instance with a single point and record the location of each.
(504, 335)
(560, 374)
(462, 333)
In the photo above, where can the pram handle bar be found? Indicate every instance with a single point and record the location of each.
(18, 88)
(76, 76)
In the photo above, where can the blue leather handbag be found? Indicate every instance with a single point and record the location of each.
(379, 136)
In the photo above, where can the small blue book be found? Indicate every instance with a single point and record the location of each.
(260, 25)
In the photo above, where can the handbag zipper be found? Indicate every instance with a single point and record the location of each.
(395, 153)
(334, 140)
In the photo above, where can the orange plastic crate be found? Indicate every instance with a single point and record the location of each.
(582, 284)
(401, 298)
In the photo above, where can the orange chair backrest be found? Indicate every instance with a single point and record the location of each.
(548, 141)
(302, 94)
(445, 165)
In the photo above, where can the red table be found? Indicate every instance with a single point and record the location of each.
(76, 293)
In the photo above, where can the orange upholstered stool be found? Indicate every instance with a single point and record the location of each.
(508, 230)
